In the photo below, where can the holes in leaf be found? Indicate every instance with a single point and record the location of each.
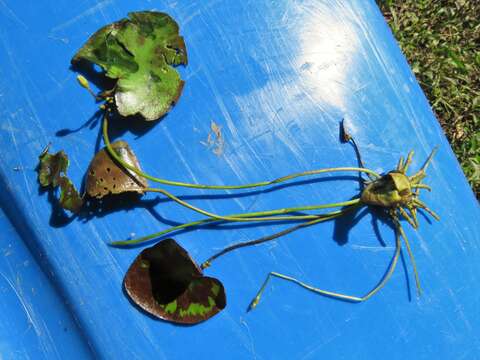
(105, 177)
(154, 56)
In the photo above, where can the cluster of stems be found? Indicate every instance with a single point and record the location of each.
(263, 216)
(282, 214)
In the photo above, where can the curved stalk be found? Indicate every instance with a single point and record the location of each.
(410, 255)
(239, 245)
(332, 294)
(221, 187)
(237, 216)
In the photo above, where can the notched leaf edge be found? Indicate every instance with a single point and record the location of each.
(165, 282)
(140, 52)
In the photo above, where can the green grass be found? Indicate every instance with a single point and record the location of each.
(441, 40)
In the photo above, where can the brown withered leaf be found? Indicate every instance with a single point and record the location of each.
(106, 177)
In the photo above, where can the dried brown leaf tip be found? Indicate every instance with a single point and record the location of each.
(344, 134)
(106, 177)
(165, 282)
(52, 172)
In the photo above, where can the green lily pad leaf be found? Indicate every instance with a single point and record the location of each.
(52, 171)
(140, 53)
(164, 281)
(105, 176)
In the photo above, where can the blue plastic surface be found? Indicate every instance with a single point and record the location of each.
(277, 77)
(35, 323)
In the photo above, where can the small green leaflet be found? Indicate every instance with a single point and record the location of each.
(140, 52)
(164, 281)
(51, 167)
(52, 171)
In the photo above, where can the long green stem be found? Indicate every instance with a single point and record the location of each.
(263, 214)
(287, 231)
(221, 187)
(332, 294)
(212, 220)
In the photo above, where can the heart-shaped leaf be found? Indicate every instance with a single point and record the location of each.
(164, 281)
(52, 171)
(105, 176)
(140, 52)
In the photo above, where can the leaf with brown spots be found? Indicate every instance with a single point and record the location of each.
(106, 177)
(140, 52)
(164, 281)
